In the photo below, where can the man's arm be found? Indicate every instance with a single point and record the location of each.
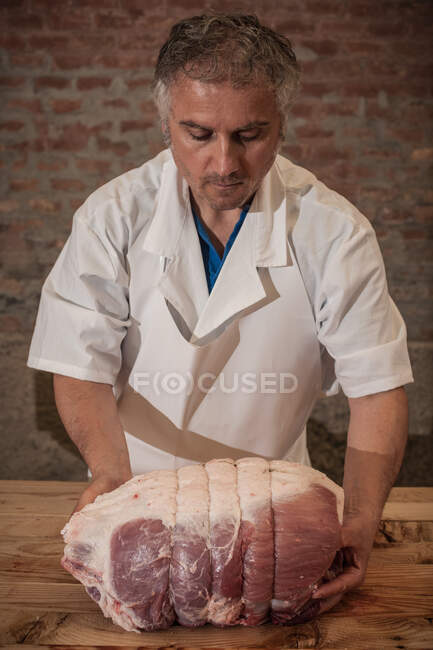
(377, 439)
(89, 413)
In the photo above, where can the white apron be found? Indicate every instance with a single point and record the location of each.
(230, 374)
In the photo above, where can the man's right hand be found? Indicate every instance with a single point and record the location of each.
(99, 485)
(89, 413)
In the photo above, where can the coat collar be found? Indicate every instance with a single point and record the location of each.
(261, 242)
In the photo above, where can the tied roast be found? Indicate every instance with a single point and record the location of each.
(228, 542)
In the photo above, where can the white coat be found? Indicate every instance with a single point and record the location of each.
(236, 372)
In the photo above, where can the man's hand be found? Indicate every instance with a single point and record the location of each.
(89, 412)
(358, 536)
(376, 441)
(99, 485)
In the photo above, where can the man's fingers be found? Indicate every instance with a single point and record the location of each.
(328, 603)
(88, 496)
(349, 579)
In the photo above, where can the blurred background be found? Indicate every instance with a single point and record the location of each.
(76, 111)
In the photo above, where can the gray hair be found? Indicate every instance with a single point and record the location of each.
(227, 47)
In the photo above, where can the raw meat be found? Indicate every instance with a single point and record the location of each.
(228, 542)
(190, 567)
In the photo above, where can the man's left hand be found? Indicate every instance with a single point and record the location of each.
(358, 534)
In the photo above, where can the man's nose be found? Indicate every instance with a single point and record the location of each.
(227, 158)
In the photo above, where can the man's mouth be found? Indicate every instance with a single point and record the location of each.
(227, 184)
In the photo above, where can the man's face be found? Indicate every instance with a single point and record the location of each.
(224, 140)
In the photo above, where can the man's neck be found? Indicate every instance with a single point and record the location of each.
(218, 224)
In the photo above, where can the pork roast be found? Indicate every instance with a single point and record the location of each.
(229, 542)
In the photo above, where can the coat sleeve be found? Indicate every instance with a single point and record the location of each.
(361, 332)
(83, 313)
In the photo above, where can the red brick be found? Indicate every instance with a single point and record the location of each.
(72, 139)
(370, 48)
(135, 125)
(46, 206)
(33, 105)
(415, 234)
(11, 82)
(388, 30)
(75, 137)
(93, 166)
(311, 131)
(21, 163)
(11, 125)
(48, 41)
(361, 88)
(321, 6)
(73, 60)
(11, 41)
(92, 41)
(13, 5)
(137, 7)
(342, 107)
(422, 154)
(22, 184)
(70, 19)
(342, 29)
(24, 21)
(58, 83)
(321, 47)
(47, 6)
(116, 103)
(9, 323)
(138, 83)
(119, 148)
(67, 184)
(289, 26)
(37, 145)
(112, 21)
(65, 105)
(127, 60)
(424, 214)
(52, 165)
(25, 59)
(420, 70)
(90, 83)
(302, 110)
(75, 203)
(315, 88)
(9, 205)
(11, 287)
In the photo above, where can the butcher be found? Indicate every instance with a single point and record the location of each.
(205, 300)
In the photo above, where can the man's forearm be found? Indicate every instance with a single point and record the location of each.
(376, 442)
(89, 413)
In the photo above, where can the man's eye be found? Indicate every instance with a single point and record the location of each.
(247, 138)
(200, 137)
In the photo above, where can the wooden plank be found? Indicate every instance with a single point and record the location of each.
(408, 511)
(385, 590)
(39, 497)
(29, 526)
(411, 494)
(60, 497)
(90, 631)
(396, 554)
(404, 531)
(42, 487)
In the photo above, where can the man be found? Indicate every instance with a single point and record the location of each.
(205, 299)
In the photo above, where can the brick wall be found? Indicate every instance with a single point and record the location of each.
(76, 111)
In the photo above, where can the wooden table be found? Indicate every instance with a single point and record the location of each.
(41, 605)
